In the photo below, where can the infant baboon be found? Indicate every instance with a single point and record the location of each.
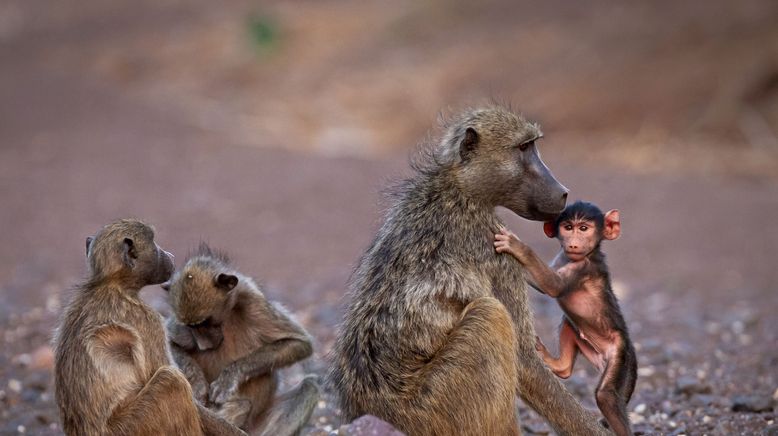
(593, 324)
(229, 340)
(112, 372)
(438, 338)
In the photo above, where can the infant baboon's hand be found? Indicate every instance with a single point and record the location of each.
(224, 387)
(507, 242)
(540, 347)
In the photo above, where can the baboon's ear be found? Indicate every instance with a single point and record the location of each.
(89, 240)
(225, 282)
(129, 253)
(469, 144)
(165, 286)
(549, 228)
(612, 228)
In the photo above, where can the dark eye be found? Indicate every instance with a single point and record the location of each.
(584, 228)
(568, 227)
(526, 145)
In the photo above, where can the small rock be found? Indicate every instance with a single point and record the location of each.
(318, 432)
(640, 408)
(369, 425)
(725, 427)
(690, 385)
(15, 385)
(646, 371)
(752, 403)
(42, 358)
(771, 430)
(636, 418)
(700, 400)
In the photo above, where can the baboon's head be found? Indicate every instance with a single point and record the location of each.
(125, 251)
(201, 295)
(495, 158)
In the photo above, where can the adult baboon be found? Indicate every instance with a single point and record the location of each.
(112, 371)
(438, 337)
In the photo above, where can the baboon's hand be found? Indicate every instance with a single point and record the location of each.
(507, 242)
(200, 391)
(224, 387)
(180, 335)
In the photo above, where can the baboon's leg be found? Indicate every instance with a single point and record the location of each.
(164, 406)
(609, 394)
(631, 374)
(568, 350)
(540, 389)
(292, 410)
(468, 386)
(214, 425)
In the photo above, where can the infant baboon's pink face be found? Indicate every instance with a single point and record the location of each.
(578, 238)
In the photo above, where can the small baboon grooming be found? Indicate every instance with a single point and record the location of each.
(438, 338)
(113, 374)
(229, 340)
(593, 323)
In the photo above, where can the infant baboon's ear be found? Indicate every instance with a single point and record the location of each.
(469, 144)
(549, 228)
(129, 253)
(612, 228)
(225, 282)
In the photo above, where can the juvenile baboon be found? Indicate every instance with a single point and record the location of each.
(112, 371)
(438, 337)
(229, 340)
(593, 323)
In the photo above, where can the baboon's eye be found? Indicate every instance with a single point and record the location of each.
(583, 228)
(189, 277)
(569, 227)
(526, 145)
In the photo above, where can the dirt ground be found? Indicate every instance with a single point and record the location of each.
(271, 130)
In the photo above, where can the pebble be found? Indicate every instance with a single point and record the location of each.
(15, 385)
(690, 385)
(646, 371)
(369, 425)
(752, 403)
(636, 418)
(640, 408)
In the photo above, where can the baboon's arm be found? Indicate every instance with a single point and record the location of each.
(192, 371)
(180, 335)
(278, 354)
(544, 279)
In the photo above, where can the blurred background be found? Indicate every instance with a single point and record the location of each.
(271, 129)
